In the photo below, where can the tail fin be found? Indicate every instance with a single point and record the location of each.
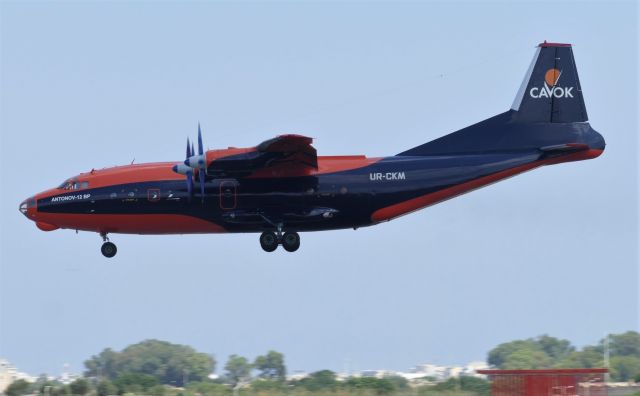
(548, 112)
(550, 91)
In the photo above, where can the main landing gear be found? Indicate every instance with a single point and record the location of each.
(270, 240)
(108, 249)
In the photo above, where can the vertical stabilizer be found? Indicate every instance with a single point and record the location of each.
(550, 91)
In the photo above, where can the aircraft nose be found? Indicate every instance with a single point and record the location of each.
(23, 207)
(28, 207)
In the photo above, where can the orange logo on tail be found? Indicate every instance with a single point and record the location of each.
(551, 88)
(551, 77)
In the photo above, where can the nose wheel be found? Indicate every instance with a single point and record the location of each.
(269, 241)
(108, 249)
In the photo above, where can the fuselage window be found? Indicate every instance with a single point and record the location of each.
(66, 185)
(73, 185)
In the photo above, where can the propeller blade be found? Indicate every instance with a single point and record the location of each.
(188, 149)
(200, 148)
(190, 184)
(202, 180)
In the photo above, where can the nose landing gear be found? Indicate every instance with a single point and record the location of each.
(108, 249)
(270, 240)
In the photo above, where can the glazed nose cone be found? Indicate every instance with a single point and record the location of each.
(23, 207)
(28, 208)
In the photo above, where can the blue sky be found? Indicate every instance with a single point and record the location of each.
(87, 85)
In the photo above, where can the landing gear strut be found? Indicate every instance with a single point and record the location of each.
(270, 240)
(108, 249)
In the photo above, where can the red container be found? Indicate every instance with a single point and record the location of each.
(551, 382)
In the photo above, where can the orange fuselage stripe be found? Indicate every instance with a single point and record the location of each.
(157, 171)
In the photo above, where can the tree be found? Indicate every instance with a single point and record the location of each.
(238, 369)
(106, 388)
(135, 383)
(527, 358)
(274, 387)
(79, 387)
(381, 386)
(588, 357)
(624, 368)
(102, 365)
(478, 386)
(171, 364)
(18, 388)
(320, 380)
(498, 355)
(540, 352)
(626, 344)
(206, 388)
(399, 383)
(555, 348)
(271, 366)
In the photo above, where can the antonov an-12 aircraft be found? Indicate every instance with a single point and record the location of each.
(282, 187)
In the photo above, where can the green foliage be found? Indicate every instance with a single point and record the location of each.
(237, 369)
(555, 348)
(79, 387)
(540, 352)
(626, 344)
(589, 357)
(545, 351)
(208, 388)
(319, 380)
(50, 388)
(624, 368)
(498, 355)
(268, 386)
(381, 386)
(106, 388)
(171, 364)
(103, 365)
(135, 383)
(271, 366)
(477, 386)
(18, 388)
(527, 358)
(399, 383)
(60, 390)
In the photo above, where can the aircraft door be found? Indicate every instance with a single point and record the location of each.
(228, 194)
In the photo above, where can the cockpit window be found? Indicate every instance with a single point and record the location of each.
(72, 184)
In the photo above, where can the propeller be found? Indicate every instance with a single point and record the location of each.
(189, 172)
(194, 163)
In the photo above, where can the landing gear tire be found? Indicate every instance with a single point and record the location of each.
(290, 241)
(109, 249)
(269, 241)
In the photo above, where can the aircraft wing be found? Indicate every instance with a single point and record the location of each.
(281, 156)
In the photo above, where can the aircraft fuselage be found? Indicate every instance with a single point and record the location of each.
(346, 192)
